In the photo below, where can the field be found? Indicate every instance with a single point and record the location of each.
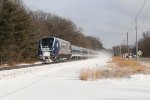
(61, 82)
(116, 68)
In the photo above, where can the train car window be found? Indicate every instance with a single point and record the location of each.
(63, 45)
(57, 45)
(47, 42)
(60, 43)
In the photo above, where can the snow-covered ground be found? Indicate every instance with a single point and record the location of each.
(61, 82)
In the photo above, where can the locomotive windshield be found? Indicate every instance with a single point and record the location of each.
(47, 42)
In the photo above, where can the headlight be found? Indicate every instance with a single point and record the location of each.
(46, 53)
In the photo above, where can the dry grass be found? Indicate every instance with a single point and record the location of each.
(117, 68)
(134, 66)
(96, 73)
(124, 62)
(85, 74)
(89, 74)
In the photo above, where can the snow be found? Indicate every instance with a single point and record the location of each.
(61, 82)
(22, 64)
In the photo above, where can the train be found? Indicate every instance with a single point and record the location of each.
(53, 49)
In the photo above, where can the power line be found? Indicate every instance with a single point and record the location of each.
(147, 10)
(141, 8)
(137, 28)
(137, 15)
(145, 14)
(145, 17)
(130, 27)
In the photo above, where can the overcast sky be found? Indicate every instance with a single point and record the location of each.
(109, 20)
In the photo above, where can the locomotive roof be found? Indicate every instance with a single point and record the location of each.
(57, 39)
(60, 39)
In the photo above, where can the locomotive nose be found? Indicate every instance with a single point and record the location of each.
(45, 47)
(46, 54)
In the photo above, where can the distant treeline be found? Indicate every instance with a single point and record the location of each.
(21, 29)
(143, 45)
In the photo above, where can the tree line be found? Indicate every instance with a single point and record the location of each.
(143, 45)
(21, 29)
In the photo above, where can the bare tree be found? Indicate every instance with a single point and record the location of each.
(1, 5)
(144, 44)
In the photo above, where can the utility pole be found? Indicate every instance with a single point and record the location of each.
(128, 45)
(136, 29)
(124, 48)
(120, 51)
(136, 39)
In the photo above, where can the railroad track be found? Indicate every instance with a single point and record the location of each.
(27, 66)
(18, 67)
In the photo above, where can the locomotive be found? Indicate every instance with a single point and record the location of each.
(54, 49)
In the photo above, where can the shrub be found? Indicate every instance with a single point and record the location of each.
(118, 68)
(85, 74)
